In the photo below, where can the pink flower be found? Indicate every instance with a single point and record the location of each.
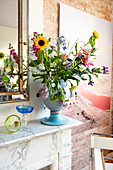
(35, 32)
(11, 52)
(35, 49)
(32, 39)
(86, 51)
(90, 63)
(79, 53)
(14, 54)
(44, 93)
(84, 59)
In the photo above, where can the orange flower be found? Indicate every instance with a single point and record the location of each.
(64, 57)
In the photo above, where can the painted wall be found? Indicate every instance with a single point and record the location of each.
(8, 35)
(35, 24)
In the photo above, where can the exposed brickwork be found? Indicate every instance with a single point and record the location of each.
(99, 8)
(80, 146)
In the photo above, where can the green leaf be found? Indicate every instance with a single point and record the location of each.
(12, 66)
(45, 56)
(17, 81)
(34, 63)
(13, 86)
(40, 55)
(49, 39)
(89, 78)
(70, 60)
(36, 75)
(92, 41)
(50, 51)
(36, 79)
(96, 75)
(76, 48)
(6, 78)
(73, 78)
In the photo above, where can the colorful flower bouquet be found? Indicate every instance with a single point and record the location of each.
(9, 69)
(53, 63)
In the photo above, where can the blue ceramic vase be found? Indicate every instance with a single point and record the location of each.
(56, 117)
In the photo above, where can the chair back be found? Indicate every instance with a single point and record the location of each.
(98, 142)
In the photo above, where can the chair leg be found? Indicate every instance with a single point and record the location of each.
(91, 160)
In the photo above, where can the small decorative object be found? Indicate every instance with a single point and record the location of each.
(13, 123)
(24, 109)
(59, 65)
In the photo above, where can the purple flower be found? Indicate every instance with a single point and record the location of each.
(52, 47)
(64, 44)
(57, 44)
(64, 48)
(93, 69)
(61, 102)
(67, 66)
(11, 76)
(91, 83)
(61, 40)
(1, 82)
(105, 70)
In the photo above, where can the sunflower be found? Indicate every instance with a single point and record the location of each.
(96, 34)
(41, 42)
(1, 55)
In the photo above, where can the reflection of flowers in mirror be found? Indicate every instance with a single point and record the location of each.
(9, 69)
(16, 58)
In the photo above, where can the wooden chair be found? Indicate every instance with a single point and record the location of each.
(99, 142)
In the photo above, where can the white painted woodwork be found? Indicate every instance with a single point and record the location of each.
(98, 159)
(37, 147)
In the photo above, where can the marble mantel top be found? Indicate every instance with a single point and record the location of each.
(35, 129)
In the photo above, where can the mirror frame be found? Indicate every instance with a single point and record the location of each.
(21, 44)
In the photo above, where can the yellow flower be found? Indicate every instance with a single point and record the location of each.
(72, 88)
(1, 55)
(41, 42)
(96, 34)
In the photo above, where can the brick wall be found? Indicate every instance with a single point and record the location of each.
(99, 8)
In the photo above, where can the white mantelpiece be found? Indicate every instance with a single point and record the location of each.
(37, 147)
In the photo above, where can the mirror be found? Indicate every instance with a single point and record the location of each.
(13, 50)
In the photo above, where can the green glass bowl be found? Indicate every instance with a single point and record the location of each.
(13, 123)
